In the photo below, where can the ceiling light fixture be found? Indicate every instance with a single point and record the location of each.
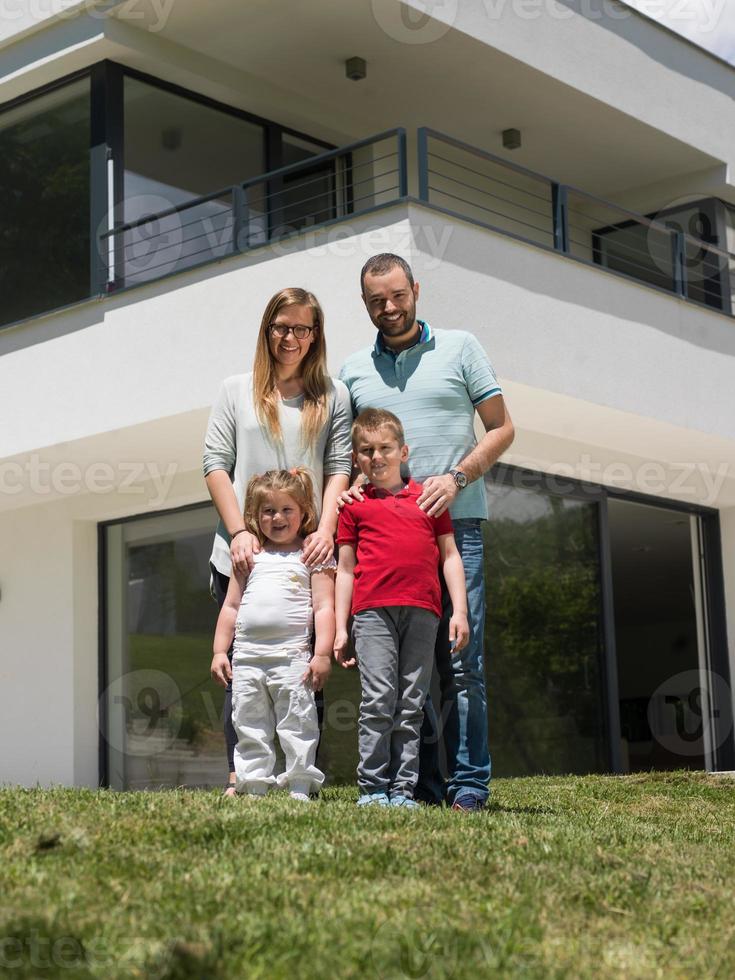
(356, 69)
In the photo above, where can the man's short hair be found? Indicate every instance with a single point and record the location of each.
(373, 419)
(379, 265)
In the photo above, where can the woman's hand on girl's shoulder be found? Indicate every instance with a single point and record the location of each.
(243, 548)
(318, 547)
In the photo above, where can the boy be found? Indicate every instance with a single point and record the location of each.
(388, 578)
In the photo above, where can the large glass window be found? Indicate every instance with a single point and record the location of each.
(543, 633)
(176, 150)
(309, 196)
(45, 193)
(164, 714)
(158, 151)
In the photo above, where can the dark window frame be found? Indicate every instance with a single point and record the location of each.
(714, 209)
(107, 133)
(713, 586)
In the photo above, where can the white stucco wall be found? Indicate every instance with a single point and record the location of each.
(550, 324)
(49, 678)
(604, 379)
(614, 55)
(37, 718)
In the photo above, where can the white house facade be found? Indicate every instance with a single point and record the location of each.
(560, 177)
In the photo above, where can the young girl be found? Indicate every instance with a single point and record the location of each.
(273, 612)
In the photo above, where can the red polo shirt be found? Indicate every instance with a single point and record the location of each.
(397, 553)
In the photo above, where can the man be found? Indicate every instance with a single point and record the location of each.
(435, 381)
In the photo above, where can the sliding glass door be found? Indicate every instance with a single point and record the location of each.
(602, 647)
(543, 632)
(163, 712)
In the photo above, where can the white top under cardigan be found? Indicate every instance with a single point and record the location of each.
(237, 443)
(276, 615)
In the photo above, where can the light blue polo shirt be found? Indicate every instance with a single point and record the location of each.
(434, 388)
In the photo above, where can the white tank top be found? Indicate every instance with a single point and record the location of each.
(276, 616)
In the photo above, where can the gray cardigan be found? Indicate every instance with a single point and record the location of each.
(236, 442)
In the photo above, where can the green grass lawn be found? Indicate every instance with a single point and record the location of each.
(561, 877)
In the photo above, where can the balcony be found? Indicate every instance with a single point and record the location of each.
(452, 178)
(115, 178)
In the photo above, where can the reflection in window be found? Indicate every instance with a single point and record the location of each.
(543, 634)
(308, 197)
(177, 149)
(44, 188)
(164, 712)
(170, 617)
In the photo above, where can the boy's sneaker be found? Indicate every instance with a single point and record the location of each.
(468, 803)
(405, 801)
(374, 799)
(301, 797)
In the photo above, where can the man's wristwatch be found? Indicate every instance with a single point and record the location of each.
(460, 478)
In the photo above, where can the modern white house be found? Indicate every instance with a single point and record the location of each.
(561, 177)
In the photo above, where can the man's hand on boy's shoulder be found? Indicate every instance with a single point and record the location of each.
(437, 494)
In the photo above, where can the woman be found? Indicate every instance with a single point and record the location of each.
(287, 412)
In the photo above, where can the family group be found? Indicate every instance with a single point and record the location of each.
(383, 465)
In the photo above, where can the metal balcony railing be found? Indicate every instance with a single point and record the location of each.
(452, 177)
(332, 186)
(488, 190)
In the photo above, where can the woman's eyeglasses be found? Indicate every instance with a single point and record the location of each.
(282, 330)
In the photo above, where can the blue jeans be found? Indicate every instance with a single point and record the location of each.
(463, 725)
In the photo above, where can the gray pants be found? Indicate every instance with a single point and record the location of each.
(395, 655)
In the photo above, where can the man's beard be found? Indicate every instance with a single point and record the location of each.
(404, 325)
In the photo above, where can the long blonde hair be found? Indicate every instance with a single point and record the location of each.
(313, 369)
(296, 483)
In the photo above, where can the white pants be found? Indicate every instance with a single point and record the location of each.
(269, 697)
